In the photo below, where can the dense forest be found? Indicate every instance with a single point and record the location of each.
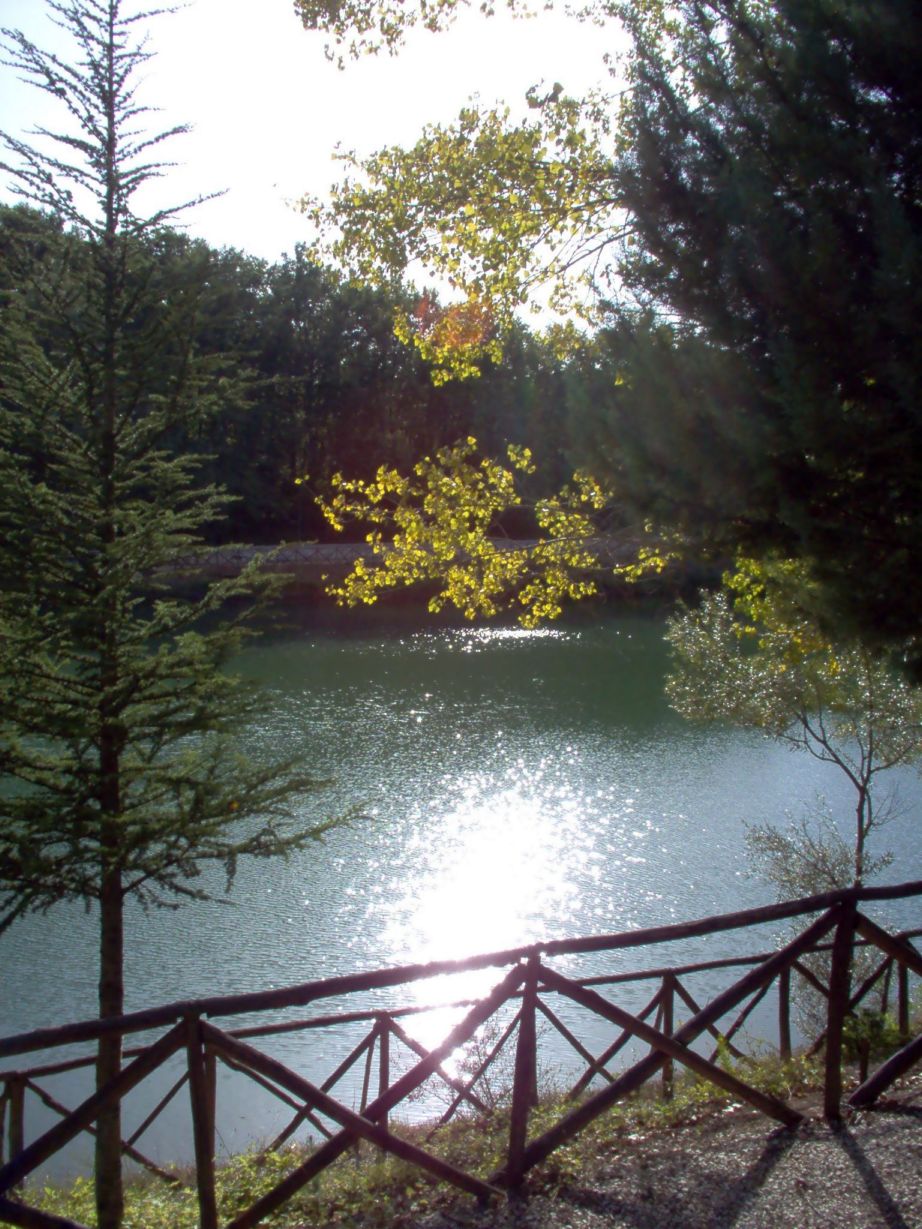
(311, 379)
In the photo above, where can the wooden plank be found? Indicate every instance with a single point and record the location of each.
(421, 1052)
(302, 1113)
(667, 1006)
(838, 1010)
(811, 978)
(853, 1001)
(727, 921)
(894, 945)
(885, 988)
(334, 987)
(348, 1062)
(255, 1001)
(127, 1147)
(895, 1066)
(607, 1055)
(694, 1007)
(572, 1040)
(158, 1109)
(203, 1124)
(18, 1214)
(338, 1018)
(211, 1083)
(903, 1000)
(278, 1093)
(637, 1075)
(740, 1020)
(524, 1087)
(670, 1047)
(465, 1091)
(54, 1139)
(870, 982)
(354, 1124)
(366, 1078)
(335, 1147)
(657, 973)
(384, 1062)
(784, 1014)
(16, 1090)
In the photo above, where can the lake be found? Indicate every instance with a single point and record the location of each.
(508, 786)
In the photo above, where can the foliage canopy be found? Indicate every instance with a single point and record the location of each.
(749, 188)
(441, 525)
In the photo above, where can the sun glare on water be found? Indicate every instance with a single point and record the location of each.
(501, 864)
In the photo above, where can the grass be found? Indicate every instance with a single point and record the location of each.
(366, 1189)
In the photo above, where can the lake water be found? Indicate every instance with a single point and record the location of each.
(512, 786)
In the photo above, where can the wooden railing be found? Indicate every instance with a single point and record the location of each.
(834, 923)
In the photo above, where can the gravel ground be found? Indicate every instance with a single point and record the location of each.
(733, 1169)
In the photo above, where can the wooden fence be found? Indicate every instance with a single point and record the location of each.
(531, 988)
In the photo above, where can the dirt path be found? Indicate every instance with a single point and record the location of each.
(731, 1169)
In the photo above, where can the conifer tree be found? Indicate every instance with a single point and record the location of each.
(120, 774)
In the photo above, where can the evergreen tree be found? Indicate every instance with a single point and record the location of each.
(120, 776)
(773, 180)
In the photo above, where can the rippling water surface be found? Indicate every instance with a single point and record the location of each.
(508, 785)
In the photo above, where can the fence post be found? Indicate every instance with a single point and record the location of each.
(384, 1062)
(16, 1092)
(211, 1090)
(903, 999)
(784, 1013)
(667, 1026)
(201, 1094)
(838, 1009)
(525, 1086)
(885, 988)
(366, 1076)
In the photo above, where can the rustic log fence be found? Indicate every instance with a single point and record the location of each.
(833, 923)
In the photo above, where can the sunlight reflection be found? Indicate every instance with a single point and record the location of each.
(500, 863)
(473, 639)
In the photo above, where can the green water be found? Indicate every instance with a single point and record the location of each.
(512, 786)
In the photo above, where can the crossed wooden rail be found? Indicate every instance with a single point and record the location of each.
(527, 983)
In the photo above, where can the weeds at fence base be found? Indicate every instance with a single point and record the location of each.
(364, 1189)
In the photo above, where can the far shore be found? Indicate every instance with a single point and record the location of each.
(312, 563)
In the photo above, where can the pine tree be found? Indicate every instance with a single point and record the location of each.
(120, 774)
(772, 175)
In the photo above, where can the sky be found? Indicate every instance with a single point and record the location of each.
(268, 109)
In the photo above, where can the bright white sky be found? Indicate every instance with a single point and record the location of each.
(268, 109)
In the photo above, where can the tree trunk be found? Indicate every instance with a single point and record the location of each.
(109, 1194)
(862, 828)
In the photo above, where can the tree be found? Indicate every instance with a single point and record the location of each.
(442, 525)
(121, 776)
(752, 196)
(748, 655)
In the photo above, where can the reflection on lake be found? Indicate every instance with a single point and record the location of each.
(514, 786)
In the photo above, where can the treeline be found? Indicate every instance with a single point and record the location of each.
(309, 376)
